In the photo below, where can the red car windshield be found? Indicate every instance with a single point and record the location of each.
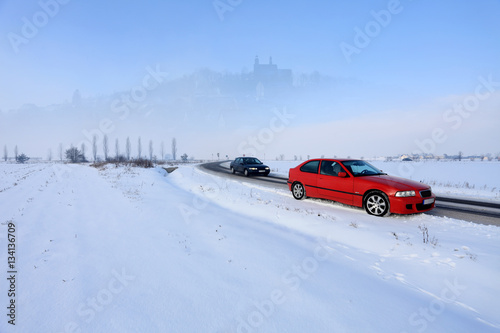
(362, 168)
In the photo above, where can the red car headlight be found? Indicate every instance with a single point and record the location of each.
(405, 194)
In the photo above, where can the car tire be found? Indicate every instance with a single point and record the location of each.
(377, 204)
(298, 191)
(246, 173)
(233, 171)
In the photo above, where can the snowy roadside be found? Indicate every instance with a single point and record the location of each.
(128, 249)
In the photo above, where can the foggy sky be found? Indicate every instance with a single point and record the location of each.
(406, 76)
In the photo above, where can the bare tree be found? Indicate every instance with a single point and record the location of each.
(5, 153)
(72, 153)
(75, 155)
(150, 150)
(139, 148)
(105, 146)
(77, 98)
(94, 147)
(61, 152)
(127, 148)
(15, 152)
(49, 155)
(162, 151)
(174, 149)
(82, 151)
(117, 149)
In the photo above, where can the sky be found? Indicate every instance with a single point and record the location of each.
(410, 61)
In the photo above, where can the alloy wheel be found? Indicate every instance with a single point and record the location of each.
(298, 191)
(376, 204)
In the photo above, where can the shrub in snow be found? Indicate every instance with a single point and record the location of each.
(22, 158)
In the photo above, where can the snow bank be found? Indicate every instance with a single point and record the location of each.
(138, 250)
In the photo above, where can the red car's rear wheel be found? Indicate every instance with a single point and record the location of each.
(298, 191)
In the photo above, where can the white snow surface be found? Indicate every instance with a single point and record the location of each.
(477, 180)
(124, 249)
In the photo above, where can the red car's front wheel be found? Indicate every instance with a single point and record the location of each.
(377, 204)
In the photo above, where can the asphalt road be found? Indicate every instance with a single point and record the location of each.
(467, 210)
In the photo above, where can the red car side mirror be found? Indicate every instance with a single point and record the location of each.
(342, 174)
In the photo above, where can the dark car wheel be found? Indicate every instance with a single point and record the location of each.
(377, 204)
(298, 191)
(233, 171)
(246, 173)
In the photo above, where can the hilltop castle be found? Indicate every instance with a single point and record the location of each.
(269, 74)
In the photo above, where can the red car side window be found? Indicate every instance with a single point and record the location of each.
(331, 168)
(311, 167)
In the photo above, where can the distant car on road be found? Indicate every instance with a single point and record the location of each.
(249, 166)
(358, 183)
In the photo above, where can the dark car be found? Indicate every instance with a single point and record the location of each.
(248, 166)
(358, 183)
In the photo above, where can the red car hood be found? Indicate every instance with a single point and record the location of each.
(397, 182)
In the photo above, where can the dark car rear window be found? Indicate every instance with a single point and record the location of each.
(311, 167)
(251, 160)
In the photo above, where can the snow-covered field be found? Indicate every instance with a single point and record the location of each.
(477, 180)
(139, 250)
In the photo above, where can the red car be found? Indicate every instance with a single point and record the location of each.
(358, 183)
